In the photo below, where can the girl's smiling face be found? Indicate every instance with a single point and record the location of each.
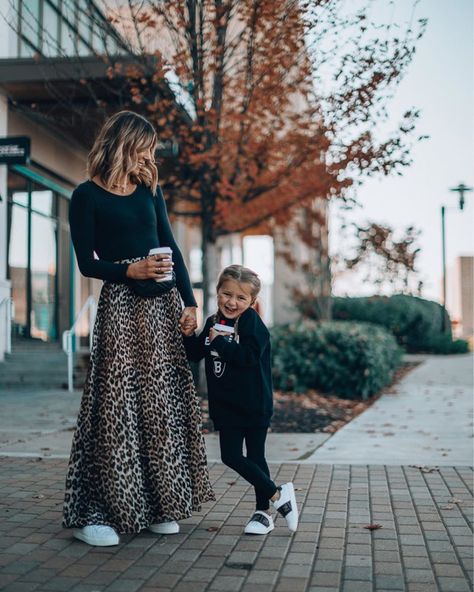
(233, 298)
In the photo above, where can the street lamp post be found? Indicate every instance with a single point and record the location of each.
(461, 189)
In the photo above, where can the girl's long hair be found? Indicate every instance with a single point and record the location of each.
(114, 155)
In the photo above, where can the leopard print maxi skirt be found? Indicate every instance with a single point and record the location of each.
(138, 454)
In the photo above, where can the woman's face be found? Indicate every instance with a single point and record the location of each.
(144, 158)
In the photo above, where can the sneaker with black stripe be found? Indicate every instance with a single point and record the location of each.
(286, 505)
(260, 523)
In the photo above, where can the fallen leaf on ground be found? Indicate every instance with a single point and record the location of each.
(373, 526)
(212, 529)
(312, 411)
(424, 469)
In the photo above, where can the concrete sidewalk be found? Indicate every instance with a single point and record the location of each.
(42, 424)
(428, 419)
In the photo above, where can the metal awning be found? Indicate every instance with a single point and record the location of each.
(70, 95)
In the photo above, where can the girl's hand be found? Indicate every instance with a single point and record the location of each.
(188, 322)
(155, 266)
(213, 334)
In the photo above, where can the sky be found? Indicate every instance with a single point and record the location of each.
(439, 82)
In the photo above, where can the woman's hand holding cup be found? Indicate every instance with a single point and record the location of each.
(155, 267)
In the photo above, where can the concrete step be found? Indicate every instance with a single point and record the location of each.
(35, 368)
(37, 371)
(57, 381)
(35, 360)
(42, 366)
(35, 346)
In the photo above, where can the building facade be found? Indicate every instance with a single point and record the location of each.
(43, 98)
(37, 265)
(461, 296)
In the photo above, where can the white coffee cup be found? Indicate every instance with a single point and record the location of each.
(163, 251)
(223, 329)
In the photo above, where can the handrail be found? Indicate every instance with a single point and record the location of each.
(10, 313)
(68, 335)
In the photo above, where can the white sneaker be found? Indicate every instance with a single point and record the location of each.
(260, 523)
(98, 535)
(286, 506)
(165, 527)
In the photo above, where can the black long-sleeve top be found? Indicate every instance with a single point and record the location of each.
(239, 380)
(119, 227)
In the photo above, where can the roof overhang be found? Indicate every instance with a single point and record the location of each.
(70, 95)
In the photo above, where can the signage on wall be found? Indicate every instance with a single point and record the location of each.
(15, 150)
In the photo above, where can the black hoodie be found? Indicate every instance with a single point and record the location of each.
(239, 379)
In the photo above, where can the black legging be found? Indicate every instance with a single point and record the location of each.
(253, 467)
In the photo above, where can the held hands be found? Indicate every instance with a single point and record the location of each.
(188, 322)
(155, 266)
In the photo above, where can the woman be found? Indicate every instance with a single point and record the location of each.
(138, 458)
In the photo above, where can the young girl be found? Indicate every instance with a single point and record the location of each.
(238, 371)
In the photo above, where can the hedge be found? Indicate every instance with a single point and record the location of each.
(416, 323)
(351, 360)
(444, 344)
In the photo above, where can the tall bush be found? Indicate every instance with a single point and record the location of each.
(416, 323)
(352, 360)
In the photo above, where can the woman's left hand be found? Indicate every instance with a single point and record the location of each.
(188, 322)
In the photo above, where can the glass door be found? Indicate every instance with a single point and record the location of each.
(18, 251)
(43, 322)
(32, 258)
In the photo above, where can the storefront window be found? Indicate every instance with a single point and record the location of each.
(20, 198)
(42, 201)
(50, 30)
(43, 277)
(18, 266)
(53, 27)
(33, 257)
(30, 21)
(68, 40)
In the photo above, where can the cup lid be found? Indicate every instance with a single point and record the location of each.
(158, 250)
(223, 328)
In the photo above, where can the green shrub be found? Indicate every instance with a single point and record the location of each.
(352, 360)
(444, 344)
(416, 323)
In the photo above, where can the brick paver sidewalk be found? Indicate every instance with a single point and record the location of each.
(425, 543)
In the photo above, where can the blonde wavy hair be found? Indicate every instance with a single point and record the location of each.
(114, 155)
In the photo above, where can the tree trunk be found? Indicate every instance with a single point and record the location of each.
(324, 265)
(210, 271)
